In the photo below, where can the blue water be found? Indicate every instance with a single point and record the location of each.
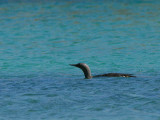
(38, 39)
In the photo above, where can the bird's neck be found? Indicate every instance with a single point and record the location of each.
(87, 72)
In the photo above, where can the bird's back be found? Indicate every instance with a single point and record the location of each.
(115, 75)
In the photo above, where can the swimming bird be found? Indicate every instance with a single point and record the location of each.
(87, 72)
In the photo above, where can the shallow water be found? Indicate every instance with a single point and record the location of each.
(39, 39)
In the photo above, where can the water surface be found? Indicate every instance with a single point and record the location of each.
(38, 39)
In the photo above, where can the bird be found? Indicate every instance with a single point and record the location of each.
(87, 72)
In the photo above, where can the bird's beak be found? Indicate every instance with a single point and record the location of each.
(73, 65)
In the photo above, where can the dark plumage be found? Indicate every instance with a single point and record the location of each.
(114, 75)
(87, 72)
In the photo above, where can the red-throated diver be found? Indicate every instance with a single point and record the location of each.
(87, 72)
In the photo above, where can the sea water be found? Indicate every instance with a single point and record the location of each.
(39, 39)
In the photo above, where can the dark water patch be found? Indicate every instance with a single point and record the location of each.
(32, 95)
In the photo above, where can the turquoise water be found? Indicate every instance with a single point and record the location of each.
(39, 39)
